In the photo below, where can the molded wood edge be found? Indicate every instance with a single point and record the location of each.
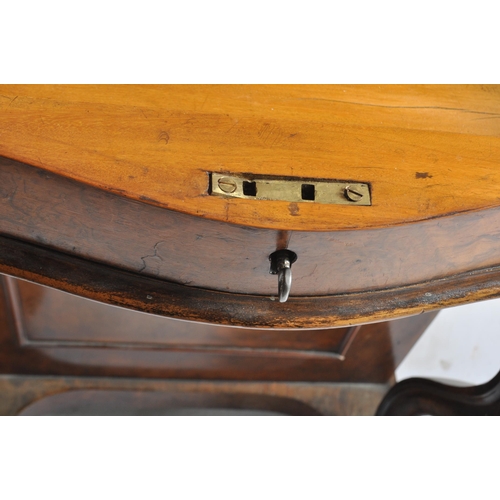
(116, 287)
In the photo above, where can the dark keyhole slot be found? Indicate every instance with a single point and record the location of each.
(249, 188)
(308, 192)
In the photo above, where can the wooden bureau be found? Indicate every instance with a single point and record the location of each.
(283, 241)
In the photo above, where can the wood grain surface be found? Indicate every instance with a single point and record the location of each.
(101, 200)
(59, 213)
(426, 150)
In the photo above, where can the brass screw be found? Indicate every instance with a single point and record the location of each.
(352, 195)
(227, 185)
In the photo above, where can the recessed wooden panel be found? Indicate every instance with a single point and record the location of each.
(49, 315)
(92, 395)
(126, 402)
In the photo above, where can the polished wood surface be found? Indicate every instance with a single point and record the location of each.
(426, 150)
(47, 332)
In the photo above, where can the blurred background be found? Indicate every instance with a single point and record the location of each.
(462, 344)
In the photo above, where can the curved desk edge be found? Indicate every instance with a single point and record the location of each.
(125, 289)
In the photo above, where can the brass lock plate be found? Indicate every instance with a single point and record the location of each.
(291, 189)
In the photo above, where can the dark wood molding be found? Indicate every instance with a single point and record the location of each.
(418, 396)
(141, 293)
(124, 396)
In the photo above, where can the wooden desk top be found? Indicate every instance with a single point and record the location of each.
(105, 193)
(426, 150)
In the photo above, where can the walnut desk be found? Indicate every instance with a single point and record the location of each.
(269, 248)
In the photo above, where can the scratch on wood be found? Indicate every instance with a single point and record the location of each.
(153, 262)
(443, 108)
(313, 271)
(163, 136)
(204, 102)
(10, 98)
(271, 135)
(232, 126)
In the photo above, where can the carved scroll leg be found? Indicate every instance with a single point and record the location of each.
(418, 396)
